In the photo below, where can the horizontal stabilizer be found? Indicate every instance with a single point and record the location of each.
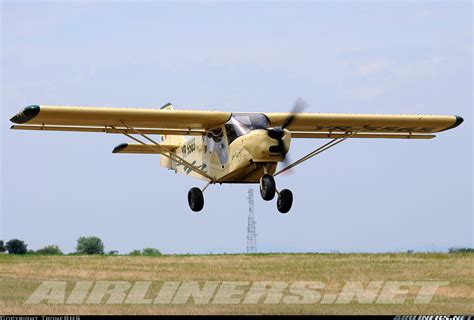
(141, 148)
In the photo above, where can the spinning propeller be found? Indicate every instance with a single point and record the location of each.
(277, 133)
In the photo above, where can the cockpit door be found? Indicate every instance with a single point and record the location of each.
(216, 149)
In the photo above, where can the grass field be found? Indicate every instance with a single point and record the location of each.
(20, 276)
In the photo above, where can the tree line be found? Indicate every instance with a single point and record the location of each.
(94, 245)
(85, 246)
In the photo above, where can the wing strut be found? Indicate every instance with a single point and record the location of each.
(322, 148)
(165, 152)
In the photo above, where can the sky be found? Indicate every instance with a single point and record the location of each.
(351, 57)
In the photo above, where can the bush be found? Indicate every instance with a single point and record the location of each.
(90, 245)
(16, 246)
(2, 247)
(461, 250)
(113, 253)
(135, 253)
(151, 252)
(52, 249)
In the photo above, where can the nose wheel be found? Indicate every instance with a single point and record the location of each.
(267, 187)
(268, 190)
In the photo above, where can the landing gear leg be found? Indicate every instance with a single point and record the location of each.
(285, 200)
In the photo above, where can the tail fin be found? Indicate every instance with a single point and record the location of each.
(172, 139)
(167, 106)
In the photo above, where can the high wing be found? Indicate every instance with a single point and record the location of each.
(116, 120)
(190, 122)
(329, 125)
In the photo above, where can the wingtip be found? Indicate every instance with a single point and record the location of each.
(26, 114)
(120, 147)
(458, 122)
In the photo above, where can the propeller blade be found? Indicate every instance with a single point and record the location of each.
(278, 132)
(298, 107)
(284, 153)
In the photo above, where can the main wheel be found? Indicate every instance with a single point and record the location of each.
(195, 199)
(285, 200)
(267, 187)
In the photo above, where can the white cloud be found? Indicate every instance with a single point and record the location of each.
(373, 67)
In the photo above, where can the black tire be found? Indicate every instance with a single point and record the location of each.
(285, 200)
(195, 199)
(267, 187)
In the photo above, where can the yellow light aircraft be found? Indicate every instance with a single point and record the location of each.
(229, 147)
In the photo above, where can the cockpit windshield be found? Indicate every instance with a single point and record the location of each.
(242, 123)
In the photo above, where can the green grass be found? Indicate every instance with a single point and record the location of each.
(21, 275)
